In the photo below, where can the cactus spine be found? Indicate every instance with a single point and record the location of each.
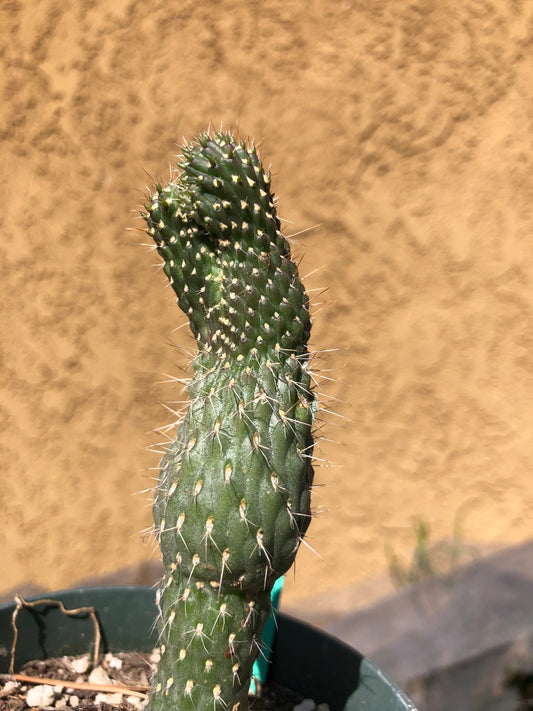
(232, 502)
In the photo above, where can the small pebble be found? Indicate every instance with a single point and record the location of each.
(80, 665)
(74, 701)
(58, 689)
(61, 703)
(99, 676)
(112, 699)
(305, 705)
(41, 695)
(136, 702)
(114, 662)
(9, 688)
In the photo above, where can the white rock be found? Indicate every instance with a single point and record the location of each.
(113, 699)
(99, 676)
(136, 702)
(114, 662)
(305, 705)
(8, 688)
(58, 689)
(80, 665)
(74, 701)
(61, 703)
(41, 695)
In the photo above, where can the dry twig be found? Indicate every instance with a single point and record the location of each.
(21, 602)
(137, 690)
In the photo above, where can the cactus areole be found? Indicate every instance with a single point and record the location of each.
(232, 503)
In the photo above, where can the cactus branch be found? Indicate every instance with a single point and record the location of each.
(232, 503)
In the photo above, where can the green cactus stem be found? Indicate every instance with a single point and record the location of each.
(232, 503)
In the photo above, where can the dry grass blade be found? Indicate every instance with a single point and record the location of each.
(137, 690)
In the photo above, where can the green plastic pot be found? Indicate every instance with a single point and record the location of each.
(304, 658)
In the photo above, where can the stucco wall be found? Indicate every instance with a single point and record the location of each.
(403, 130)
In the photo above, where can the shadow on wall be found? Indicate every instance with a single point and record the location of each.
(453, 642)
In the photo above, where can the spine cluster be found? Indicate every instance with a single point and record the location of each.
(233, 499)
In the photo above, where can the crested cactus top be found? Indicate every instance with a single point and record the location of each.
(216, 228)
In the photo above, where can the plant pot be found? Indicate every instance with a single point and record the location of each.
(304, 658)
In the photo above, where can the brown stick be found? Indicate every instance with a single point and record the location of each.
(104, 688)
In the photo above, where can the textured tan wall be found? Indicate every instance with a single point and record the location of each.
(405, 129)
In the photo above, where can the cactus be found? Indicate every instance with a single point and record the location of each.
(232, 503)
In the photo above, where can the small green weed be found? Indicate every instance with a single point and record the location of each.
(429, 559)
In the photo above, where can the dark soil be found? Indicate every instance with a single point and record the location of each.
(135, 671)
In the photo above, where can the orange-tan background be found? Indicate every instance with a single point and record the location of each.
(403, 129)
